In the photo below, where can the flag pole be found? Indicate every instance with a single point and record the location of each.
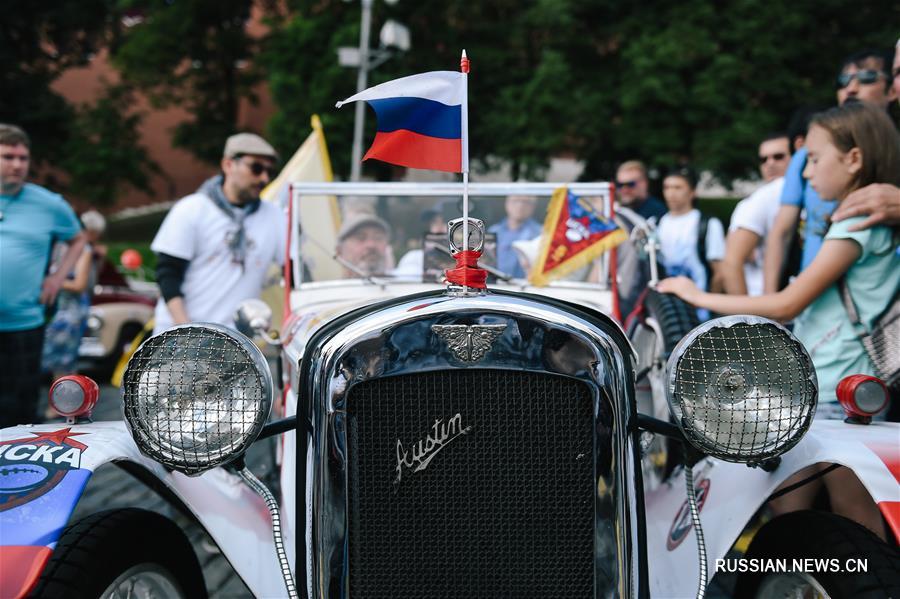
(464, 68)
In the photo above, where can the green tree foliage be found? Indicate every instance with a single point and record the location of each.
(706, 80)
(195, 54)
(300, 57)
(39, 40)
(95, 146)
(689, 81)
(105, 140)
(601, 80)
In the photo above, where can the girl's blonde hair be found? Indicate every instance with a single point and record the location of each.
(861, 125)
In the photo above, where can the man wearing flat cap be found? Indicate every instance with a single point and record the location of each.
(215, 245)
(363, 243)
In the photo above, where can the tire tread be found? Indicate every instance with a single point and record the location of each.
(87, 544)
(675, 317)
(819, 534)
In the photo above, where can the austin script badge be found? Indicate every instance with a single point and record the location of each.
(420, 454)
(468, 343)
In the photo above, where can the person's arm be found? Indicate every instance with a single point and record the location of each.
(715, 252)
(777, 244)
(832, 261)
(53, 282)
(177, 310)
(82, 274)
(739, 246)
(170, 272)
(716, 282)
(879, 201)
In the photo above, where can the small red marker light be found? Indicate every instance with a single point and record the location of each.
(74, 395)
(862, 396)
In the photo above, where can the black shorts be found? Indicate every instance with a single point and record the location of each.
(20, 375)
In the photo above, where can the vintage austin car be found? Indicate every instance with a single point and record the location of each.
(453, 442)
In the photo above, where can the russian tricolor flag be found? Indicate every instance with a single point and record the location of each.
(422, 121)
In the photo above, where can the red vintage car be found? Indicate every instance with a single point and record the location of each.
(119, 310)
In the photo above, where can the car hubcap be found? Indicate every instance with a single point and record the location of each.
(792, 586)
(144, 581)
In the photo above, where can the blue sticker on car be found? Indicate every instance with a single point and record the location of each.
(33, 466)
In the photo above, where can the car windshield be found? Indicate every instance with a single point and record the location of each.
(403, 236)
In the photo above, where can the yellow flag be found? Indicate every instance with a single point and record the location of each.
(318, 214)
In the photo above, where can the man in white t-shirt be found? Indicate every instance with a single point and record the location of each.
(742, 267)
(215, 245)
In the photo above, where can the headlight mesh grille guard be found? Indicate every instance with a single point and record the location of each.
(196, 396)
(742, 388)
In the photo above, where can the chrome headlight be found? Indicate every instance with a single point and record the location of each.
(94, 323)
(196, 396)
(742, 388)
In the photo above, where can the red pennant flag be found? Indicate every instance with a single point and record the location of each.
(575, 234)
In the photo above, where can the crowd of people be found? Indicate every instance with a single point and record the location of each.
(850, 153)
(215, 245)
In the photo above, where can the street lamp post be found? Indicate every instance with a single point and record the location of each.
(393, 36)
(362, 78)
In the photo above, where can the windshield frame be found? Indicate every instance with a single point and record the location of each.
(450, 189)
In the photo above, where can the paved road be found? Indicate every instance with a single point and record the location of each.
(110, 487)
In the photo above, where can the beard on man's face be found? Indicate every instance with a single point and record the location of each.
(250, 193)
(372, 262)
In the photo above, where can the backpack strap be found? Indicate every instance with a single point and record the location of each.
(847, 300)
(702, 230)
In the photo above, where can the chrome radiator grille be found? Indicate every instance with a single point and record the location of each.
(471, 483)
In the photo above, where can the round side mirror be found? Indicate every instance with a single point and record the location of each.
(253, 318)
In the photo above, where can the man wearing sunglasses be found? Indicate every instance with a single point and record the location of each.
(215, 245)
(632, 192)
(865, 77)
(752, 219)
(879, 202)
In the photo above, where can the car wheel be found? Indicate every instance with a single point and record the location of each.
(837, 547)
(122, 553)
(665, 322)
(675, 317)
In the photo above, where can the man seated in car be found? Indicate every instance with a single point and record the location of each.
(518, 225)
(362, 246)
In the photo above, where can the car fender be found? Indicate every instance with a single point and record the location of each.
(730, 494)
(43, 473)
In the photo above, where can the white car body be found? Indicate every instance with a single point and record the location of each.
(237, 518)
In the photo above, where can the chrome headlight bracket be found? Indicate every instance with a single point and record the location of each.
(196, 396)
(741, 388)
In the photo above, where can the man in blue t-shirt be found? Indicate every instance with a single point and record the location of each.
(865, 76)
(518, 225)
(32, 219)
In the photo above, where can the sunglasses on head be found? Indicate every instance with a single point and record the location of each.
(865, 77)
(777, 157)
(626, 184)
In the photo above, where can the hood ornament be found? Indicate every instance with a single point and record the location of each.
(469, 342)
(467, 278)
